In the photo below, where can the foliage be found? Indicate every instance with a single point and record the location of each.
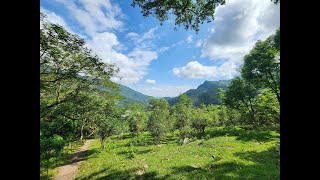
(71, 105)
(108, 122)
(136, 118)
(241, 96)
(158, 118)
(182, 115)
(261, 66)
(187, 13)
(206, 93)
(268, 108)
(238, 153)
(200, 119)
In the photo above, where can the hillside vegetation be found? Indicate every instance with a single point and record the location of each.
(206, 93)
(221, 130)
(238, 154)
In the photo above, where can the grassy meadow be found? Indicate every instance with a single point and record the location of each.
(222, 153)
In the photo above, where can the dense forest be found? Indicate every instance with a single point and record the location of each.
(79, 101)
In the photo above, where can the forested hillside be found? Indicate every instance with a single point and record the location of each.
(206, 93)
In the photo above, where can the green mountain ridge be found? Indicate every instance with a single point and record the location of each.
(206, 93)
(132, 96)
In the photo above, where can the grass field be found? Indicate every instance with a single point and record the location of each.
(238, 154)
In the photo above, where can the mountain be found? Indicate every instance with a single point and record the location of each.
(132, 96)
(206, 93)
(129, 95)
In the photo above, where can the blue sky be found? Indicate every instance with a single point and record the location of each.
(157, 60)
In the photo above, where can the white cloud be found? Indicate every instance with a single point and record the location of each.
(162, 90)
(237, 26)
(195, 70)
(99, 19)
(199, 43)
(150, 81)
(133, 66)
(163, 49)
(55, 19)
(94, 15)
(144, 41)
(189, 39)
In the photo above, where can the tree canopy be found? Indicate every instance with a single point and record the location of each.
(187, 13)
(261, 66)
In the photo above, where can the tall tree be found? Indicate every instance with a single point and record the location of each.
(262, 65)
(200, 119)
(183, 115)
(267, 108)
(69, 76)
(159, 115)
(136, 118)
(241, 96)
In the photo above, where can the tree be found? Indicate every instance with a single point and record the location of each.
(267, 108)
(262, 65)
(159, 115)
(187, 13)
(200, 119)
(241, 95)
(67, 68)
(69, 76)
(108, 122)
(136, 118)
(183, 115)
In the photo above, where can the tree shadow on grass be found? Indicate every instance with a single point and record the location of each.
(148, 140)
(265, 165)
(93, 175)
(242, 135)
(124, 153)
(122, 175)
(82, 155)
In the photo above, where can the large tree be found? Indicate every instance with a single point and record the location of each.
(136, 118)
(69, 76)
(262, 65)
(158, 119)
(241, 95)
(183, 115)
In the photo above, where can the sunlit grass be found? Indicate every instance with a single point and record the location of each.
(238, 154)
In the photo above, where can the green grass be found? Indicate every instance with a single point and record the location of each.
(239, 154)
(56, 161)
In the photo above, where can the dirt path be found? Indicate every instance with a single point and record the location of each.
(69, 170)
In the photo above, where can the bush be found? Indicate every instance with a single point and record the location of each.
(131, 151)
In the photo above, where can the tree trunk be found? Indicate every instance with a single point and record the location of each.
(81, 131)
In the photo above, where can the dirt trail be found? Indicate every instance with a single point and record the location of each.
(69, 170)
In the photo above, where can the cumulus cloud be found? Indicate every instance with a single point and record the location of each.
(133, 66)
(162, 90)
(195, 70)
(95, 15)
(150, 81)
(237, 26)
(99, 19)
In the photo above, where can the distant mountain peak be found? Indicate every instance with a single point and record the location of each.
(205, 93)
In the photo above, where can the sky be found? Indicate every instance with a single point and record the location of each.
(158, 60)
